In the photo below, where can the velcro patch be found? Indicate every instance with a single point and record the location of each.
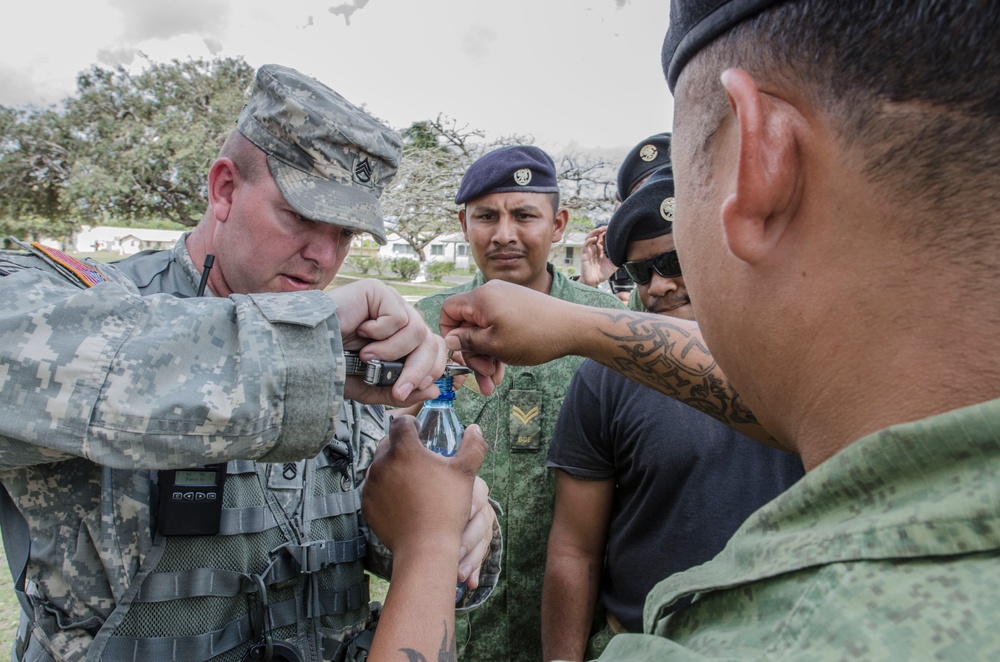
(86, 274)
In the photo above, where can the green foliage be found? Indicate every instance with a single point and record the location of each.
(366, 263)
(147, 140)
(579, 223)
(407, 268)
(438, 270)
(125, 147)
(35, 165)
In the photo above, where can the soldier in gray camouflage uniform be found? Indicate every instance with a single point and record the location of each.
(103, 389)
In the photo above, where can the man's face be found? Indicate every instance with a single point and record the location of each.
(663, 296)
(510, 235)
(265, 246)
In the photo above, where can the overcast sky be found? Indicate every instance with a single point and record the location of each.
(575, 74)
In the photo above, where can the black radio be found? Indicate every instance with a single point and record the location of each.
(191, 500)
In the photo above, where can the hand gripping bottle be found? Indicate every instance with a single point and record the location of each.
(441, 430)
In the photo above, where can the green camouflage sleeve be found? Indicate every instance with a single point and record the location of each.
(129, 381)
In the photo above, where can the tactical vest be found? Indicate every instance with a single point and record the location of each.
(269, 578)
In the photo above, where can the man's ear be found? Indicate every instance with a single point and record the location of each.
(461, 220)
(559, 224)
(768, 169)
(221, 187)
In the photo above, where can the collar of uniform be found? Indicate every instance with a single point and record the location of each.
(891, 494)
(180, 254)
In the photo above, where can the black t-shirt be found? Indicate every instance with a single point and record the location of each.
(684, 481)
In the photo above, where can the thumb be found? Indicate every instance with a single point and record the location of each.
(471, 452)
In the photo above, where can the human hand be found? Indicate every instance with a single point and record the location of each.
(595, 267)
(478, 534)
(417, 501)
(376, 320)
(500, 322)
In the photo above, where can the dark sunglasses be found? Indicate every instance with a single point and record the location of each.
(665, 264)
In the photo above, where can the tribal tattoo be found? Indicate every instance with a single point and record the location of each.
(448, 652)
(669, 358)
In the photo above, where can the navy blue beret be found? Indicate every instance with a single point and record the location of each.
(649, 155)
(647, 213)
(515, 168)
(695, 23)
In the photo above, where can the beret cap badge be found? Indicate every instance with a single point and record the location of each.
(523, 176)
(667, 210)
(648, 153)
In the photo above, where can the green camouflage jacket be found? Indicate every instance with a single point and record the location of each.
(889, 550)
(508, 626)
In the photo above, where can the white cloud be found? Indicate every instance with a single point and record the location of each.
(112, 57)
(155, 19)
(582, 72)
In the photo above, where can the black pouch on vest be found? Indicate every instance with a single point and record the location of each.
(525, 415)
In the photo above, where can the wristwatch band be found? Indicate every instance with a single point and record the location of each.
(385, 373)
(376, 373)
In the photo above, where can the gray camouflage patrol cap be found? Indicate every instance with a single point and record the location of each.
(330, 159)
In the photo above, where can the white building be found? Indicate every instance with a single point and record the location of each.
(124, 241)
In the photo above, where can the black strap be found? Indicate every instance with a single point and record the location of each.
(16, 544)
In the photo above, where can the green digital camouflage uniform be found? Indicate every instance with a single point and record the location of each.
(889, 550)
(101, 386)
(508, 626)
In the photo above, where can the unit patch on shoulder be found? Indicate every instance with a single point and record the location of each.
(85, 273)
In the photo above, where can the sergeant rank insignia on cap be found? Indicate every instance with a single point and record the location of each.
(363, 171)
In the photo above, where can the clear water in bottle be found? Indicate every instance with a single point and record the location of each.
(441, 431)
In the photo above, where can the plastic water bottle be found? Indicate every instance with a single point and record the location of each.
(441, 431)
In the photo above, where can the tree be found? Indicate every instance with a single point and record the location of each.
(436, 153)
(146, 140)
(587, 185)
(35, 146)
(418, 204)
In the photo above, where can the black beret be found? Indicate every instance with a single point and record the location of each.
(515, 168)
(695, 23)
(649, 155)
(647, 213)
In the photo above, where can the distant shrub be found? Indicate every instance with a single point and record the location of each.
(406, 267)
(438, 270)
(366, 263)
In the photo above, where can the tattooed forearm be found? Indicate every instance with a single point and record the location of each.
(447, 653)
(670, 357)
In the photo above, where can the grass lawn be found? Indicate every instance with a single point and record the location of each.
(9, 608)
